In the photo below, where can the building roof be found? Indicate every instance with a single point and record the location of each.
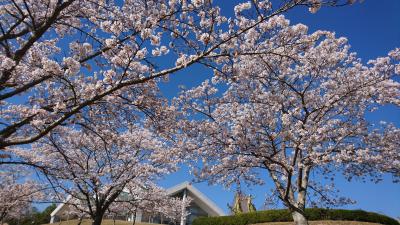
(60, 206)
(198, 197)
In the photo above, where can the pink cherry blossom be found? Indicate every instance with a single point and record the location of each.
(57, 51)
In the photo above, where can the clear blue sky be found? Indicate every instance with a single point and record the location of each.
(373, 29)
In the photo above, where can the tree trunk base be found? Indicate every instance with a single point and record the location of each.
(299, 219)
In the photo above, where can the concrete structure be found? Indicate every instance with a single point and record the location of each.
(200, 206)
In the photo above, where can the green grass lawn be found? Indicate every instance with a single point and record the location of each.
(105, 222)
(121, 222)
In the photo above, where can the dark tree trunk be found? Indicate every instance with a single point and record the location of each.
(134, 218)
(80, 220)
(98, 218)
(2, 216)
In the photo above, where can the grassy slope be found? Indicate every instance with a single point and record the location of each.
(120, 222)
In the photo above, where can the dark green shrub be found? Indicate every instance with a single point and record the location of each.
(283, 215)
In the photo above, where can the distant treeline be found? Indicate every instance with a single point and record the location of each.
(32, 216)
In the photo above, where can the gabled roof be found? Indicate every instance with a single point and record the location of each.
(198, 197)
(60, 206)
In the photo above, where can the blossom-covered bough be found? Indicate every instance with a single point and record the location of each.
(293, 106)
(60, 57)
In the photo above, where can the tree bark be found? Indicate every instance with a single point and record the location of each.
(2, 217)
(134, 218)
(98, 219)
(299, 218)
(80, 220)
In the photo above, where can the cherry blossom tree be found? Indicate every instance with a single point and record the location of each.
(292, 105)
(17, 193)
(94, 165)
(79, 95)
(58, 58)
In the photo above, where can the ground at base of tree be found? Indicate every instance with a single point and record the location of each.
(322, 222)
(105, 222)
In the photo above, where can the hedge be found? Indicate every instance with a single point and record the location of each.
(283, 215)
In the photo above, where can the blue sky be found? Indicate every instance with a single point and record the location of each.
(373, 29)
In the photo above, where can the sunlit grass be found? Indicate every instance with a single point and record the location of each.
(121, 222)
(105, 222)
